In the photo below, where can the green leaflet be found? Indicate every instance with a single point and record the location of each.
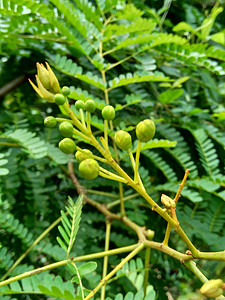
(70, 224)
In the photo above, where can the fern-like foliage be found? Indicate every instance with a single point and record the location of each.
(42, 285)
(3, 161)
(207, 152)
(28, 141)
(70, 225)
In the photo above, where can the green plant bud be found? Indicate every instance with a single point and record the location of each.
(90, 106)
(60, 99)
(50, 122)
(150, 234)
(89, 168)
(67, 146)
(145, 130)
(123, 140)
(212, 288)
(79, 105)
(81, 156)
(108, 112)
(167, 202)
(43, 75)
(66, 129)
(66, 90)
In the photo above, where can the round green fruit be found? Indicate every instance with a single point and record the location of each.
(59, 99)
(89, 168)
(67, 146)
(79, 105)
(108, 112)
(66, 129)
(66, 91)
(80, 156)
(50, 122)
(145, 130)
(90, 106)
(123, 140)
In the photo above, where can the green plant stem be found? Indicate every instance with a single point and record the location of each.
(168, 228)
(64, 262)
(47, 230)
(133, 165)
(63, 120)
(102, 194)
(116, 202)
(113, 272)
(88, 118)
(147, 260)
(10, 144)
(106, 258)
(122, 208)
(79, 278)
(82, 117)
(137, 162)
(111, 176)
(106, 131)
(76, 122)
(85, 137)
(191, 265)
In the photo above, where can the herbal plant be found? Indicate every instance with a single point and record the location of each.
(175, 57)
(79, 127)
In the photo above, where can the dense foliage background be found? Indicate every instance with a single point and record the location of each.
(164, 62)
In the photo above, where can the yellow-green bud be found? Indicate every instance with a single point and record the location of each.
(167, 202)
(67, 146)
(90, 106)
(123, 140)
(60, 99)
(212, 288)
(108, 112)
(150, 234)
(53, 79)
(66, 129)
(89, 168)
(79, 105)
(43, 75)
(80, 156)
(145, 130)
(50, 122)
(66, 90)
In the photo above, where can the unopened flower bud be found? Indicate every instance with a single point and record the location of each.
(60, 99)
(50, 122)
(167, 202)
(79, 105)
(66, 129)
(89, 168)
(90, 106)
(108, 112)
(43, 75)
(145, 130)
(67, 146)
(53, 79)
(212, 288)
(150, 234)
(123, 140)
(66, 90)
(80, 156)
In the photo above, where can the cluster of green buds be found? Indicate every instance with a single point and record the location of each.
(79, 125)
